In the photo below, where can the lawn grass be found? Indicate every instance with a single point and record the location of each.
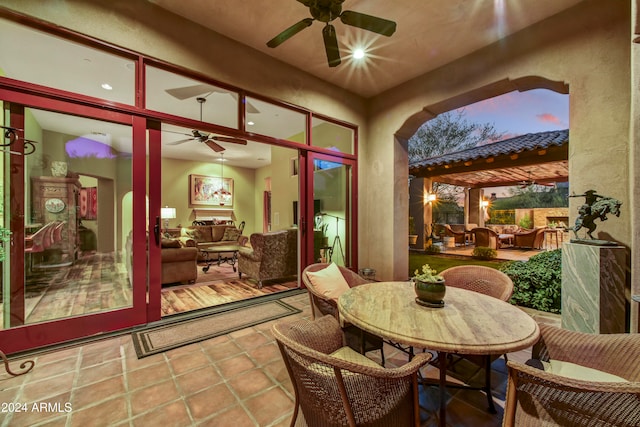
(442, 262)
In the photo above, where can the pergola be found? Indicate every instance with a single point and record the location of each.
(532, 158)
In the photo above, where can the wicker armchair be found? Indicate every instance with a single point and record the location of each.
(486, 237)
(321, 305)
(529, 239)
(488, 281)
(536, 397)
(459, 237)
(337, 387)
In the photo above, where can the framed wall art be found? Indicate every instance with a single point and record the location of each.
(210, 191)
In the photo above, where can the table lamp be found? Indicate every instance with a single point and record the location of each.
(167, 213)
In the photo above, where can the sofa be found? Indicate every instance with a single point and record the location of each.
(272, 255)
(204, 236)
(179, 263)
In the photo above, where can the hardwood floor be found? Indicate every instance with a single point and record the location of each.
(99, 282)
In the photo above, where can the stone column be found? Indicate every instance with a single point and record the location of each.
(593, 288)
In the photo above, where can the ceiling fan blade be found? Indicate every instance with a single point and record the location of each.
(215, 147)
(368, 22)
(190, 91)
(289, 32)
(229, 139)
(182, 141)
(331, 45)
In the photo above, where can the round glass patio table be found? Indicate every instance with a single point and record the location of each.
(469, 322)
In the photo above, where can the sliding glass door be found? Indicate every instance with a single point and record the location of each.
(67, 215)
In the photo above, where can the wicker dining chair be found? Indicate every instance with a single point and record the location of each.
(487, 281)
(321, 305)
(538, 397)
(336, 386)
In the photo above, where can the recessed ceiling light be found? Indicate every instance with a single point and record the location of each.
(106, 86)
(358, 53)
(250, 123)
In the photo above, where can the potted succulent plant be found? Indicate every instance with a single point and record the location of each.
(429, 287)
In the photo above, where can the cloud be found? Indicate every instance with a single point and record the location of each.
(549, 118)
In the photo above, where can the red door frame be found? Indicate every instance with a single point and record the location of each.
(26, 337)
(351, 215)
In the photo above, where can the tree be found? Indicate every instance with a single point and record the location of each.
(447, 133)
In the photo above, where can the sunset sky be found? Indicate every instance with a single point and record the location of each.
(519, 113)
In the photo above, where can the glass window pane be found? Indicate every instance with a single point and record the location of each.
(75, 219)
(271, 120)
(185, 97)
(58, 63)
(332, 136)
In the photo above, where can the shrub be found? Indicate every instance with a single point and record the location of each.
(481, 252)
(525, 222)
(537, 282)
(432, 249)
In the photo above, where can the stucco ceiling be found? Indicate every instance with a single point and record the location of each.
(430, 33)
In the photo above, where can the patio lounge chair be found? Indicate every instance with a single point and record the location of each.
(335, 386)
(459, 236)
(602, 388)
(529, 239)
(486, 238)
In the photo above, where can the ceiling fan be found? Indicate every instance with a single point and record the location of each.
(186, 92)
(326, 11)
(529, 182)
(206, 137)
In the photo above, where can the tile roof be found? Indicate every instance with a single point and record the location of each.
(527, 142)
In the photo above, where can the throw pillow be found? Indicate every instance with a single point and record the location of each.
(193, 233)
(329, 281)
(231, 234)
(170, 243)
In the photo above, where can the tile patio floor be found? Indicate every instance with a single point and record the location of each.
(235, 380)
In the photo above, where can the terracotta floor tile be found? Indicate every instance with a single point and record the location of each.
(197, 380)
(101, 352)
(52, 369)
(41, 390)
(252, 341)
(55, 356)
(103, 414)
(148, 398)
(235, 416)
(54, 410)
(99, 372)
(173, 414)
(187, 362)
(270, 406)
(223, 350)
(96, 392)
(250, 383)
(234, 366)
(210, 401)
(265, 353)
(147, 376)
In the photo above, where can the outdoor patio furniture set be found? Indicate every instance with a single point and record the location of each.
(574, 378)
(498, 237)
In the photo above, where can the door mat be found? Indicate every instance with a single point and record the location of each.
(167, 337)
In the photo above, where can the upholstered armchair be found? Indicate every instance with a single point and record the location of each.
(336, 386)
(485, 237)
(577, 379)
(272, 255)
(529, 239)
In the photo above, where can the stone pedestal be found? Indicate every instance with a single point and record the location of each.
(593, 284)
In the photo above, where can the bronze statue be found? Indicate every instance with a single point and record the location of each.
(595, 207)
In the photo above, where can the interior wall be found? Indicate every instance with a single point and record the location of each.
(585, 47)
(175, 189)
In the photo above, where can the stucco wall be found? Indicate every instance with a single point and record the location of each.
(586, 47)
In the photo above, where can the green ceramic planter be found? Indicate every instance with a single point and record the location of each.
(430, 294)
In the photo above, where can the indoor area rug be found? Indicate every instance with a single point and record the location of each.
(166, 337)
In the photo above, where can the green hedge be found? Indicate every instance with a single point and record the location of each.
(537, 282)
